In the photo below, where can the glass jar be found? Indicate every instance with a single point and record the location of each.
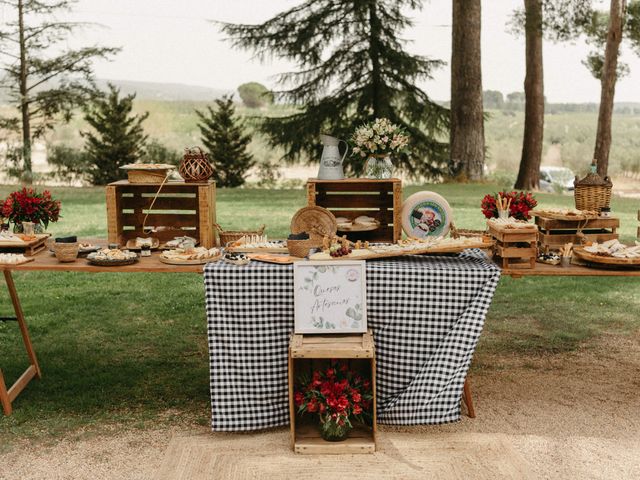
(333, 430)
(378, 167)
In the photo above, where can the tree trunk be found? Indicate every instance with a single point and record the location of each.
(24, 100)
(608, 85)
(374, 56)
(529, 172)
(467, 113)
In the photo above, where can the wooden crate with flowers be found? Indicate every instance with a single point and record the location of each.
(516, 239)
(332, 393)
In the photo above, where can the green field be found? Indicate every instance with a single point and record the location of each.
(130, 349)
(572, 135)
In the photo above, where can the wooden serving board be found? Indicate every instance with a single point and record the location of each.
(277, 259)
(371, 255)
(591, 258)
(29, 248)
(22, 262)
(558, 216)
(201, 261)
(283, 249)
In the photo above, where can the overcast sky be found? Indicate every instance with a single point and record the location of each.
(172, 41)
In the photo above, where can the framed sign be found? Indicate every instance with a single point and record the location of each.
(330, 297)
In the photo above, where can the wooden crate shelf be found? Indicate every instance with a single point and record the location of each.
(554, 234)
(180, 209)
(516, 248)
(307, 351)
(350, 198)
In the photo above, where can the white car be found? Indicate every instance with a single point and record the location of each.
(554, 178)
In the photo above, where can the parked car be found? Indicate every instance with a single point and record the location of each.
(553, 179)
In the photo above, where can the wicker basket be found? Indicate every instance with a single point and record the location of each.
(301, 248)
(228, 236)
(318, 222)
(592, 193)
(147, 173)
(66, 252)
(195, 165)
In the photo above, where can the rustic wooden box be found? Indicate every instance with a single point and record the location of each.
(180, 209)
(554, 234)
(304, 351)
(380, 199)
(517, 248)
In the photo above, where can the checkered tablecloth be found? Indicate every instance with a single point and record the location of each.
(426, 313)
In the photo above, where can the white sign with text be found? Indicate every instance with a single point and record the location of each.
(330, 297)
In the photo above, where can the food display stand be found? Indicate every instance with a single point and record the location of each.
(350, 198)
(171, 209)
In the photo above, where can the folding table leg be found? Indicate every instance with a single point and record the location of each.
(8, 396)
(4, 396)
(468, 400)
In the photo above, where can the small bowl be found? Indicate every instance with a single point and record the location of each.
(66, 252)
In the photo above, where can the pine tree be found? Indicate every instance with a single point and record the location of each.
(44, 86)
(118, 139)
(224, 138)
(352, 68)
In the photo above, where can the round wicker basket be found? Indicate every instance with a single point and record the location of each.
(66, 252)
(301, 248)
(228, 236)
(195, 165)
(318, 222)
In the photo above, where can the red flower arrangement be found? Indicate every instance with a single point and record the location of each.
(28, 205)
(521, 204)
(337, 395)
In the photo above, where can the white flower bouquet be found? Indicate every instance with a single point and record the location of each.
(379, 138)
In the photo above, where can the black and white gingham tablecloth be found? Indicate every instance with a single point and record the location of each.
(426, 313)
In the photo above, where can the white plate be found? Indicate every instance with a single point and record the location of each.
(426, 214)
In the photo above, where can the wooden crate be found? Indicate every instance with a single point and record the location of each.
(180, 209)
(305, 438)
(516, 247)
(350, 198)
(554, 234)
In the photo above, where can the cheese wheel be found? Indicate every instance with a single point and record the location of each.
(426, 214)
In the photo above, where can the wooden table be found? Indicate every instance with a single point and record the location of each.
(45, 261)
(545, 270)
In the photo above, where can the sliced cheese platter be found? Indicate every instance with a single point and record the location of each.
(611, 252)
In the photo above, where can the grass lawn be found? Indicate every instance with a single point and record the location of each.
(130, 349)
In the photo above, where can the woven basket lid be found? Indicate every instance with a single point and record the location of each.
(316, 221)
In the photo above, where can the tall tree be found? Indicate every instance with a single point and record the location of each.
(608, 85)
(352, 67)
(44, 78)
(467, 114)
(224, 138)
(118, 138)
(559, 20)
(529, 171)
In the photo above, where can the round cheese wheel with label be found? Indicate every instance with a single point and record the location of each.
(426, 214)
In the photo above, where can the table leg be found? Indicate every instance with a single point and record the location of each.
(8, 396)
(468, 400)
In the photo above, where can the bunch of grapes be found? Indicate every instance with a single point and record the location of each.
(337, 250)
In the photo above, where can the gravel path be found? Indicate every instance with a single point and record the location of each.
(569, 416)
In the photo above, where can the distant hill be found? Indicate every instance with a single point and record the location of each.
(158, 91)
(165, 91)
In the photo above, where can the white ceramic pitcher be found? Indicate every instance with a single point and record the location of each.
(331, 162)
